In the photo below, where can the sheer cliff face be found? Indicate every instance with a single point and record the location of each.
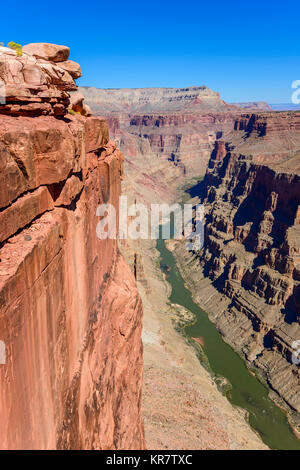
(70, 313)
(252, 249)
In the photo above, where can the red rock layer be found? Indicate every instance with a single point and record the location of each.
(182, 140)
(252, 250)
(70, 312)
(173, 127)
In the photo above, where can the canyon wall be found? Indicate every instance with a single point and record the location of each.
(154, 100)
(252, 249)
(70, 312)
(253, 105)
(165, 149)
(166, 134)
(251, 191)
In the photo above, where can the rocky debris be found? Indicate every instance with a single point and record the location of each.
(166, 422)
(39, 81)
(70, 312)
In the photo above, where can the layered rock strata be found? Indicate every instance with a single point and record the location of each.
(172, 130)
(254, 105)
(155, 100)
(252, 251)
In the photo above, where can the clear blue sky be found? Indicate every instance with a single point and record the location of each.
(246, 50)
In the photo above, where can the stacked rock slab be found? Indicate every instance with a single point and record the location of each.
(70, 313)
(39, 81)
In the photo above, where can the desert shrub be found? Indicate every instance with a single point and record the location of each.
(16, 47)
(72, 112)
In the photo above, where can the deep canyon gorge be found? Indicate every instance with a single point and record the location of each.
(246, 275)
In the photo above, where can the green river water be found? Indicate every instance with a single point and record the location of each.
(246, 390)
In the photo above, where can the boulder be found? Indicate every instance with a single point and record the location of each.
(77, 104)
(43, 50)
(86, 110)
(76, 99)
(72, 68)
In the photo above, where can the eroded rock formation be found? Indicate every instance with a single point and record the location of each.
(252, 196)
(163, 150)
(252, 251)
(70, 313)
(155, 100)
(169, 133)
(39, 81)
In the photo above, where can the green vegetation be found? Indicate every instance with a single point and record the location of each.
(16, 47)
(223, 385)
(72, 112)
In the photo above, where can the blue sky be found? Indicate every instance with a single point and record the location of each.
(245, 50)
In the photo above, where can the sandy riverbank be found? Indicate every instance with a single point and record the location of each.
(182, 407)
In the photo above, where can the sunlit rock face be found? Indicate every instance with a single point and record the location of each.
(168, 131)
(252, 252)
(154, 100)
(70, 313)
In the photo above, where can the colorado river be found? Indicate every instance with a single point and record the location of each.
(246, 390)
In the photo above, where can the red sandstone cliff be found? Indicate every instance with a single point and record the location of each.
(70, 313)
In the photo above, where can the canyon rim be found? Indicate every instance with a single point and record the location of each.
(70, 312)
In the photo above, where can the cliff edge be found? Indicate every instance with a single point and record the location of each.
(70, 312)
